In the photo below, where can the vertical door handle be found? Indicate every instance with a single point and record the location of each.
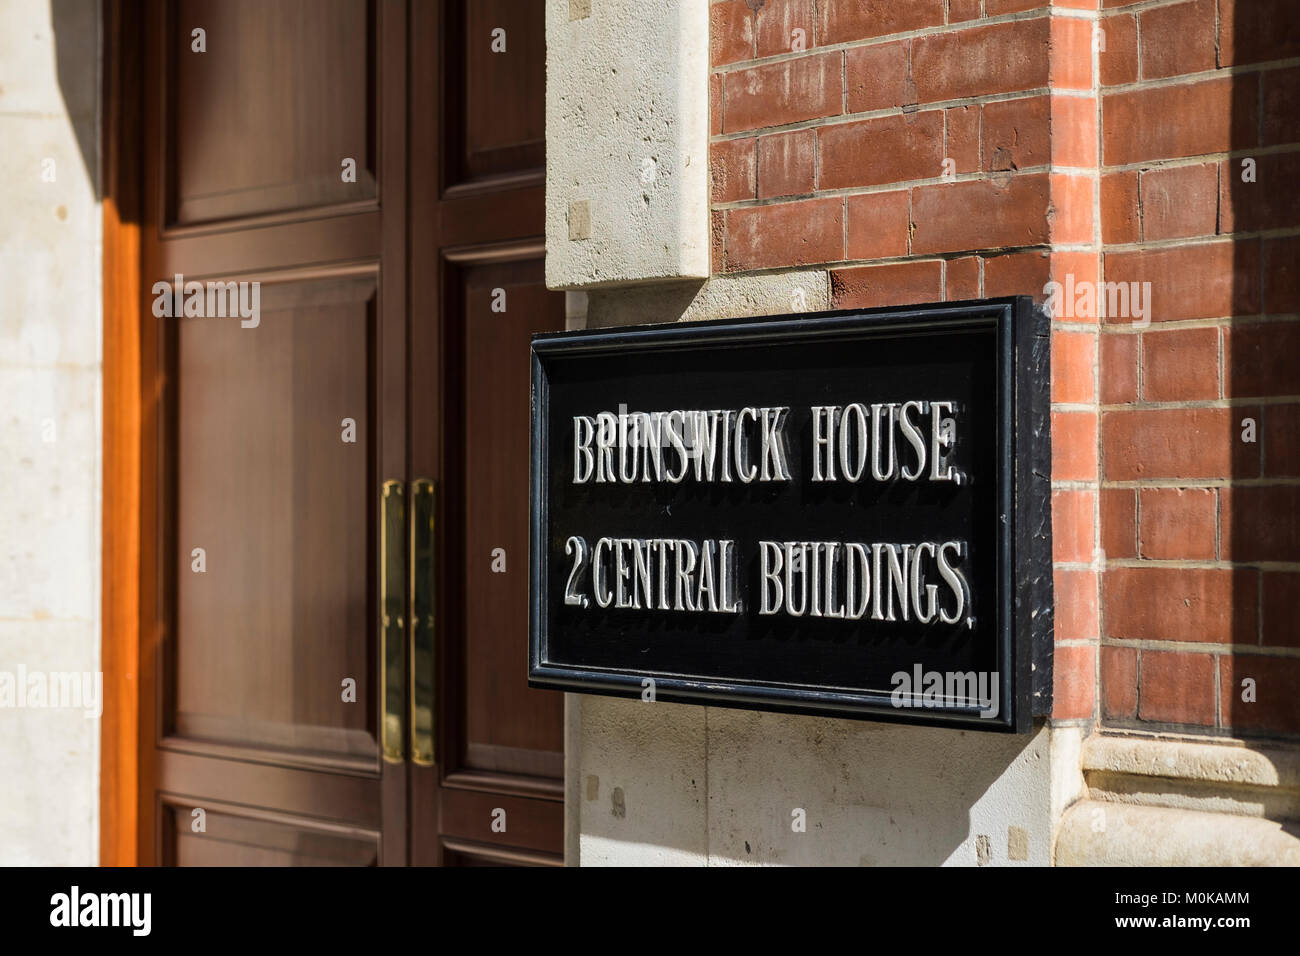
(392, 607)
(423, 589)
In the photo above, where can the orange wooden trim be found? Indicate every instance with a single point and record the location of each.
(120, 593)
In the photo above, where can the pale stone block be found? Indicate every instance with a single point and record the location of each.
(627, 131)
(873, 794)
(49, 758)
(48, 55)
(50, 517)
(640, 776)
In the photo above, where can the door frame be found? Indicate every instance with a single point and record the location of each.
(126, 485)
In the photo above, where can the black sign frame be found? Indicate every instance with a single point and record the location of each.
(1024, 562)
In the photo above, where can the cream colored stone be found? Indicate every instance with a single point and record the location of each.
(649, 807)
(48, 55)
(722, 297)
(627, 130)
(1095, 833)
(1206, 761)
(50, 421)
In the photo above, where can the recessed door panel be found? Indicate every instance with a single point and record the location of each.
(508, 727)
(496, 106)
(263, 120)
(275, 459)
(232, 838)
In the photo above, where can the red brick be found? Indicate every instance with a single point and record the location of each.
(1281, 107)
(1271, 202)
(1028, 273)
(879, 77)
(1204, 281)
(1177, 687)
(1179, 604)
(1016, 134)
(887, 150)
(961, 10)
(1072, 525)
(1074, 131)
(731, 32)
(1071, 64)
(982, 60)
(1070, 215)
(731, 170)
(1074, 446)
(1281, 439)
(903, 283)
(717, 243)
(962, 279)
(1189, 119)
(1252, 31)
(962, 138)
(1276, 707)
(1177, 39)
(995, 8)
(1261, 523)
(787, 234)
(777, 21)
(1179, 202)
(1282, 275)
(1073, 357)
(1178, 523)
(715, 105)
(1075, 598)
(877, 225)
(955, 217)
(1118, 682)
(1117, 375)
(790, 91)
(1281, 608)
(1119, 523)
(1176, 443)
(786, 164)
(1020, 273)
(1180, 365)
(844, 20)
(1119, 207)
(1261, 359)
(1074, 680)
(1119, 58)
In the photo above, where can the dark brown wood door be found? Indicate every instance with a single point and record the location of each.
(495, 793)
(271, 433)
(369, 176)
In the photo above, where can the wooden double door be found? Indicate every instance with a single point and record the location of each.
(334, 535)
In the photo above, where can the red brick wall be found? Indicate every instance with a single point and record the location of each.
(1199, 527)
(924, 150)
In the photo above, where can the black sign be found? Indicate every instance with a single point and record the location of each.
(842, 513)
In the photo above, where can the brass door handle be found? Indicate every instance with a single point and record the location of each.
(422, 590)
(392, 606)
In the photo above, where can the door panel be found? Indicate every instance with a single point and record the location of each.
(262, 121)
(234, 837)
(280, 615)
(508, 727)
(496, 109)
(476, 242)
(245, 660)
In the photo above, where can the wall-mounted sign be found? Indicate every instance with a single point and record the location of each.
(842, 513)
